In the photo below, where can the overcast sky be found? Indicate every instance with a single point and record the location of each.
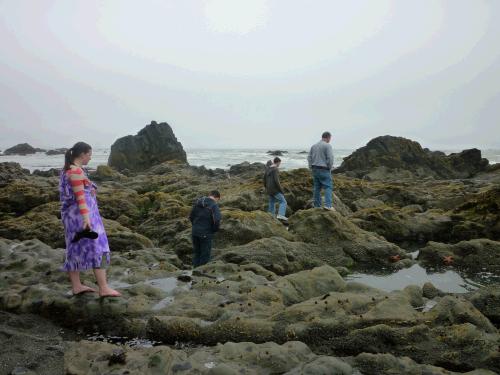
(256, 73)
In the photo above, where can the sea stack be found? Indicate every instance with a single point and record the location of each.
(154, 144)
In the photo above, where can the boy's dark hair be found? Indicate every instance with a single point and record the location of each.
(326, 135)
(276, 160)
(214, 193)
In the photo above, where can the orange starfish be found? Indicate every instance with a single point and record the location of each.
(395, 258)
(448, 260)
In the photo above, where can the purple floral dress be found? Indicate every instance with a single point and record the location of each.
(86, 253)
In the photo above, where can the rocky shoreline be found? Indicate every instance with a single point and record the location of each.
(274, 299)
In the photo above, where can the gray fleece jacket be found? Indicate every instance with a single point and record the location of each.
(272, 181)
(321, 155)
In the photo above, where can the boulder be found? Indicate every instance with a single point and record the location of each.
(52, 172)
(388, 364)
(10, 171)
(154, 144)
(468, 162)
(304, 285)
(241, 227)
(338, 236)
(389, 157)
(478, 216)
(42, 223)
(106, 173)
(404, 225)
(275, 254)
(247, 169)
(474, 255)
(362, 203)
(20, 196)
(121, 238)
(246, 199)
(298, 186)
(487, 300)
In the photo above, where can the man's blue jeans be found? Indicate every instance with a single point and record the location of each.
(202, 247)
(278, 197)
(322, 179)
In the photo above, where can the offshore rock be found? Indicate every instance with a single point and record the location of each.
(22, 149)
(154, 144)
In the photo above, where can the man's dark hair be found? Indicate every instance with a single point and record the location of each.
(326, 135)
(214, 193)
(276, 160)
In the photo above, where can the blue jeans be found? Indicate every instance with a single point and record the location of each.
(202, 247)
(322, 179)
(278, 197)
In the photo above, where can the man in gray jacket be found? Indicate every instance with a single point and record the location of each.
(274, 189)
(320, 160)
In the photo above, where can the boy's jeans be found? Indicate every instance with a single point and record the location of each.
(278, 197)
(202, 248)
(322, 178)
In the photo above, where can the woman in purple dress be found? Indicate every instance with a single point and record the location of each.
(79, 212)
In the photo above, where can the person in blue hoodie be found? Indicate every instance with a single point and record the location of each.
(205, 217)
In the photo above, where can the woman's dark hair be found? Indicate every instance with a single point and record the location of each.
(277, 160)
(74, 152)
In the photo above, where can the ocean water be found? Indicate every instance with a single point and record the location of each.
(210, 158)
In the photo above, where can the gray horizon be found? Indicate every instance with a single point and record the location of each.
(260, 74)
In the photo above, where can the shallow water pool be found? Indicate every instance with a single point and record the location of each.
(448, 280)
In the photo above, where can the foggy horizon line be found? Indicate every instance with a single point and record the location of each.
(265, 148)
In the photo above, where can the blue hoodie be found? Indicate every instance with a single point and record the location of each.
(205, 217)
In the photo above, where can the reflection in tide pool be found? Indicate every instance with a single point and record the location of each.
(448, 281)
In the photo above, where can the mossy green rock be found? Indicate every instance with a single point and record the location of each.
(20, 196)
(275, 254)
(399, 226)
(400, 157)
(337, 235)
(474, 255)
(43, 223)
(241, 227)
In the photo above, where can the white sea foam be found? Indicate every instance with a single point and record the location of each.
(210, 158)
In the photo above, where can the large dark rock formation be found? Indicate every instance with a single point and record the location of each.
(153, 145)
(22, 149)
(397, 157)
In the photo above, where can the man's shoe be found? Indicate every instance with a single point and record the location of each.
(281, 217)
(330, 209)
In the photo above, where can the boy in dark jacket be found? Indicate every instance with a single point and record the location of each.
(274, 189)
(205, 217)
